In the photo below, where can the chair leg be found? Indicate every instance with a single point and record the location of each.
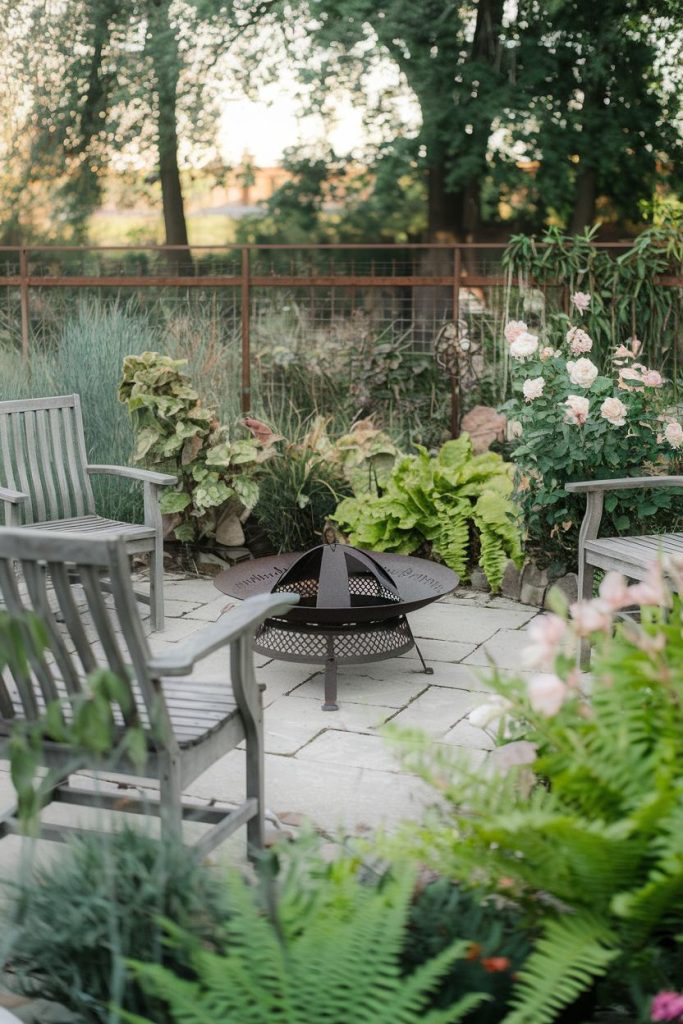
(170, 801)
(256, 834)
(156, 585)
(586, 577)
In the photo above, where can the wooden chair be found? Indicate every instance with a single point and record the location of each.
(188, 724)
(46, 475)
(629, 555)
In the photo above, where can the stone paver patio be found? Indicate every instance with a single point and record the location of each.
(335, 768)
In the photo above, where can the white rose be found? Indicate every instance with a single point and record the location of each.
(579, 341)
(582, 372)
(533, 388)
(523, 346)
(614, 411)
(674, 434)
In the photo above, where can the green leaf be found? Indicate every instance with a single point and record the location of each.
(174, 501)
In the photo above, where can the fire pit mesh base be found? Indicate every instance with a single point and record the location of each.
(352, 644)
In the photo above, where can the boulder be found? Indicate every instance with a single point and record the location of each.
(567, 585)
(511, 584)
(229, 532)
(484, 425)
(534, 583)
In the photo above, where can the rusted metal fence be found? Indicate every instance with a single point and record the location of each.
(339, 292)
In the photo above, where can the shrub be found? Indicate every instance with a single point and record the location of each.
(176, 432)
(449, 500)
(578, 424)
(78, 921)
(586, 827)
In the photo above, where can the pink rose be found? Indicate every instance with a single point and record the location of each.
(523, 346)
(579, 341)
(667, 1006)
(546, 353)
(582, 372)
(614, 592)
(533, 388)
(581, 301)
(577, 410)
(630, 374)
(614, 411)
(652, 379)
(513, 329)
(546, 633)
(591, 617)
(491, 713)
(673, 434)
(547, 693)
(512, 755)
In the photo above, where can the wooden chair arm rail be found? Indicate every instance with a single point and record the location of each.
(6, 494)
(623, 484)
(244, 619)
(144, 475)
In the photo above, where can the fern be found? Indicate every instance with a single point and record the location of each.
(344, 965)
(570, 955)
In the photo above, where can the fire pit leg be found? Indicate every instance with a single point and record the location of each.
(427, 669)
(331, 685)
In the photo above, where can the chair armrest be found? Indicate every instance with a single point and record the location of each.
(623, 484)
(6, 494)
(144, 475)
(244, 619)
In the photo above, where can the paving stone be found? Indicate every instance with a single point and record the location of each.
(192, 589)
(336, 797)
(347, 748)
(291, 722)
(466, 735)
(437, 710)
(440, 650)
(466, 624)
(175, 608)
(177, 629)
(213, 609)
(504, 648)
(382, 683)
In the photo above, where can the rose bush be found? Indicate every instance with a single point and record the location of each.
(574, 422)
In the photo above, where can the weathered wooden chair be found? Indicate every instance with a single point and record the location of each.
(187, 724)
(46, 480)
(629, 555)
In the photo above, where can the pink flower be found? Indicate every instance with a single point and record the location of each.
(614, 411)
(523, 346)
(591, 617)
(579, 341)
(651, 590)
(632, 374)
(582, 372)
(546, 633)
(667, 1006)
(614, 592)
(652, 379)
(673, 434)
(547, 693)
(490, 713)
(533, 388)
(546, 353)
(577, 410)
(581, 301)
(513, 329)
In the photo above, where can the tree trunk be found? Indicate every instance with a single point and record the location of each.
(164, 46)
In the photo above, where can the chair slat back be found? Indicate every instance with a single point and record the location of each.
(43, 454)
(48, 561)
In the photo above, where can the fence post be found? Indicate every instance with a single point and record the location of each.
(454, 374)
(246, 348)
(25, 318)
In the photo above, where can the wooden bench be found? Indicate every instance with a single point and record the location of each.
(628, 555)
(188, 724)
(46, 483)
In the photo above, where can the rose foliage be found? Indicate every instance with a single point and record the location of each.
(574, 422)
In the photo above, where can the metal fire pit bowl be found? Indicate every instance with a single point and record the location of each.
(352, 605)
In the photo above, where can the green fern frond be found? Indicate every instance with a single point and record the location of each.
(571, 954)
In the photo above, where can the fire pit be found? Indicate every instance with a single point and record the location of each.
(352, 605)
